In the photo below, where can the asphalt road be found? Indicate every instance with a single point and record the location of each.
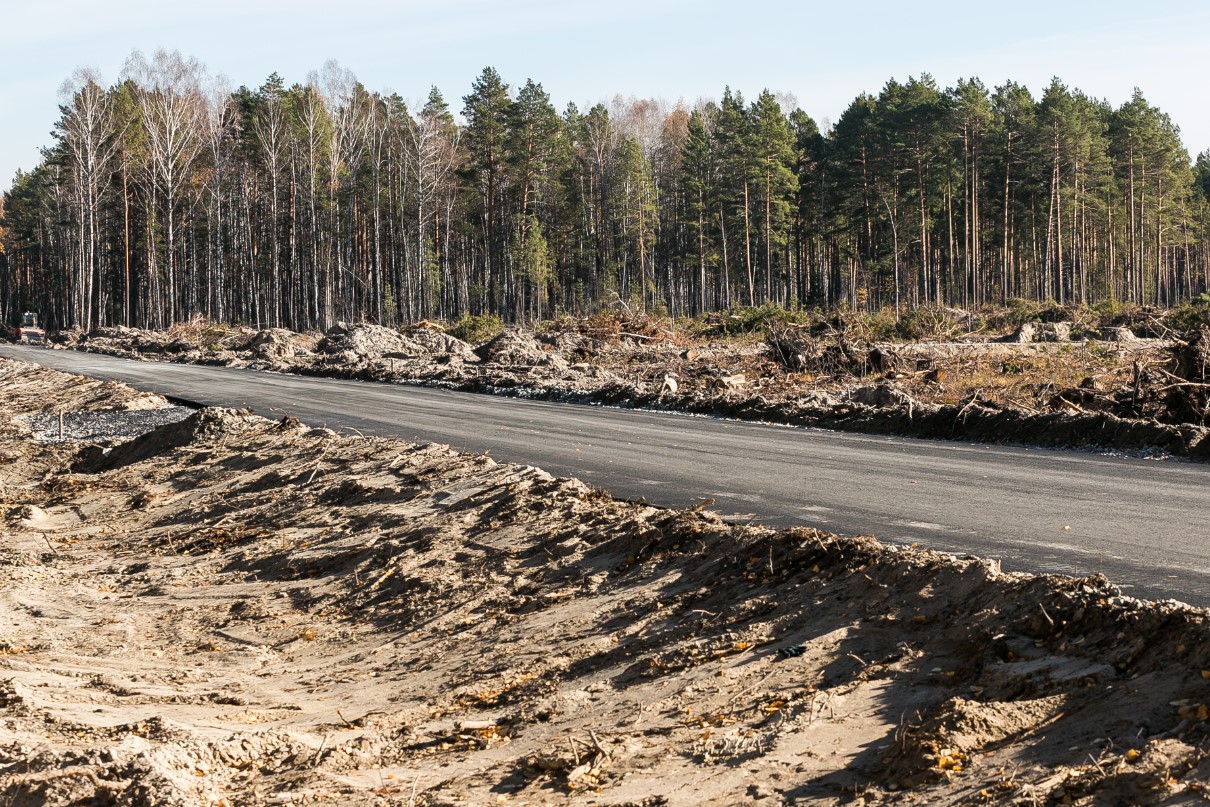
(1145, 524)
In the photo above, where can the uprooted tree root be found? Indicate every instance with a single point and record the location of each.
(234, 610)
(1188, 387)
(830, 354)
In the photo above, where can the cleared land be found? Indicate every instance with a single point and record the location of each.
(1052, 384)
(235, 610)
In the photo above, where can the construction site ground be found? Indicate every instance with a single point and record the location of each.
(1050, 384)
(215, 608)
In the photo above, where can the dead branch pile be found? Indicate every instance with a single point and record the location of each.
(1172, 388)
(613, 326)
(832, 354)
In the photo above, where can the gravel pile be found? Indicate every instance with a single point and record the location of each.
(102, 425)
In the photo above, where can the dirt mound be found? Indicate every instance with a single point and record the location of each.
(362, 341)
(571, 345)
(168, 342)
(1120, 334)
(1191, 357)
(799, 349)
(267, 614)
(275, 344)
(437, 342)
(114, 332)
(1186, 390)
(514, 347)
(72, 393)
(883, 396)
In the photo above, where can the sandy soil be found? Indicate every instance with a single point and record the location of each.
(1035, 386)
(231, 610)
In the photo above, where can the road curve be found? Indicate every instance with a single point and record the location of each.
(1145, 524)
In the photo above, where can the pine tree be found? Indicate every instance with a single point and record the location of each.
(699, 177)
(532, 263)
(972, 122)
(732, 131)
(634, 210)
(855, 152)
(487, 110)
(811, 158)
(772, 150)
(1013, 110)
(300, 206)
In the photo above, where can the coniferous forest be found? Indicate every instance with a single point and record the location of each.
(168, 195)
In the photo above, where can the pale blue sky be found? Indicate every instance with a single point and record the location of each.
(822, 53)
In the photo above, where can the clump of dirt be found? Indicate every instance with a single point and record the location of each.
(196, 340)
(245, 611)
(799, 349)
(435, 341)
(516, 356)
(362, 341)
(1119, 333)
(79, 394)
(276, 344)
(513, 346)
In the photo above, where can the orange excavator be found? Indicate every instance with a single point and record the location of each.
(28, 330)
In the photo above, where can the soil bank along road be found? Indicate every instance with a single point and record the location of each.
(1144, 524)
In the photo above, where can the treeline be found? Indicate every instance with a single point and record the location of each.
(168, 195)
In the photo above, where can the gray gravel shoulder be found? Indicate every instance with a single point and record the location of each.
(101, 425)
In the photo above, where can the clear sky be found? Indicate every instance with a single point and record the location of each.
(824, 53)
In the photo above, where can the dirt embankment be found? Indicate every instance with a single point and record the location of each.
(230, 610)
(1034, 387)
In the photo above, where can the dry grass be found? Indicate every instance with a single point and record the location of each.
(1028, 380)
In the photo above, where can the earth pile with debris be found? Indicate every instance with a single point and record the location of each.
(1053, 384)
(232, 610)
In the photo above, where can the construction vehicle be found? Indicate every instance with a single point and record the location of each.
(28, 331)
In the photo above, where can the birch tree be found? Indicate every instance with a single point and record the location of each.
(348, 111)
(271, 134)
(434, 154)
(172, 105)
(89, 134)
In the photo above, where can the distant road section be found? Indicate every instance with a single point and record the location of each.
(1144, 524)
